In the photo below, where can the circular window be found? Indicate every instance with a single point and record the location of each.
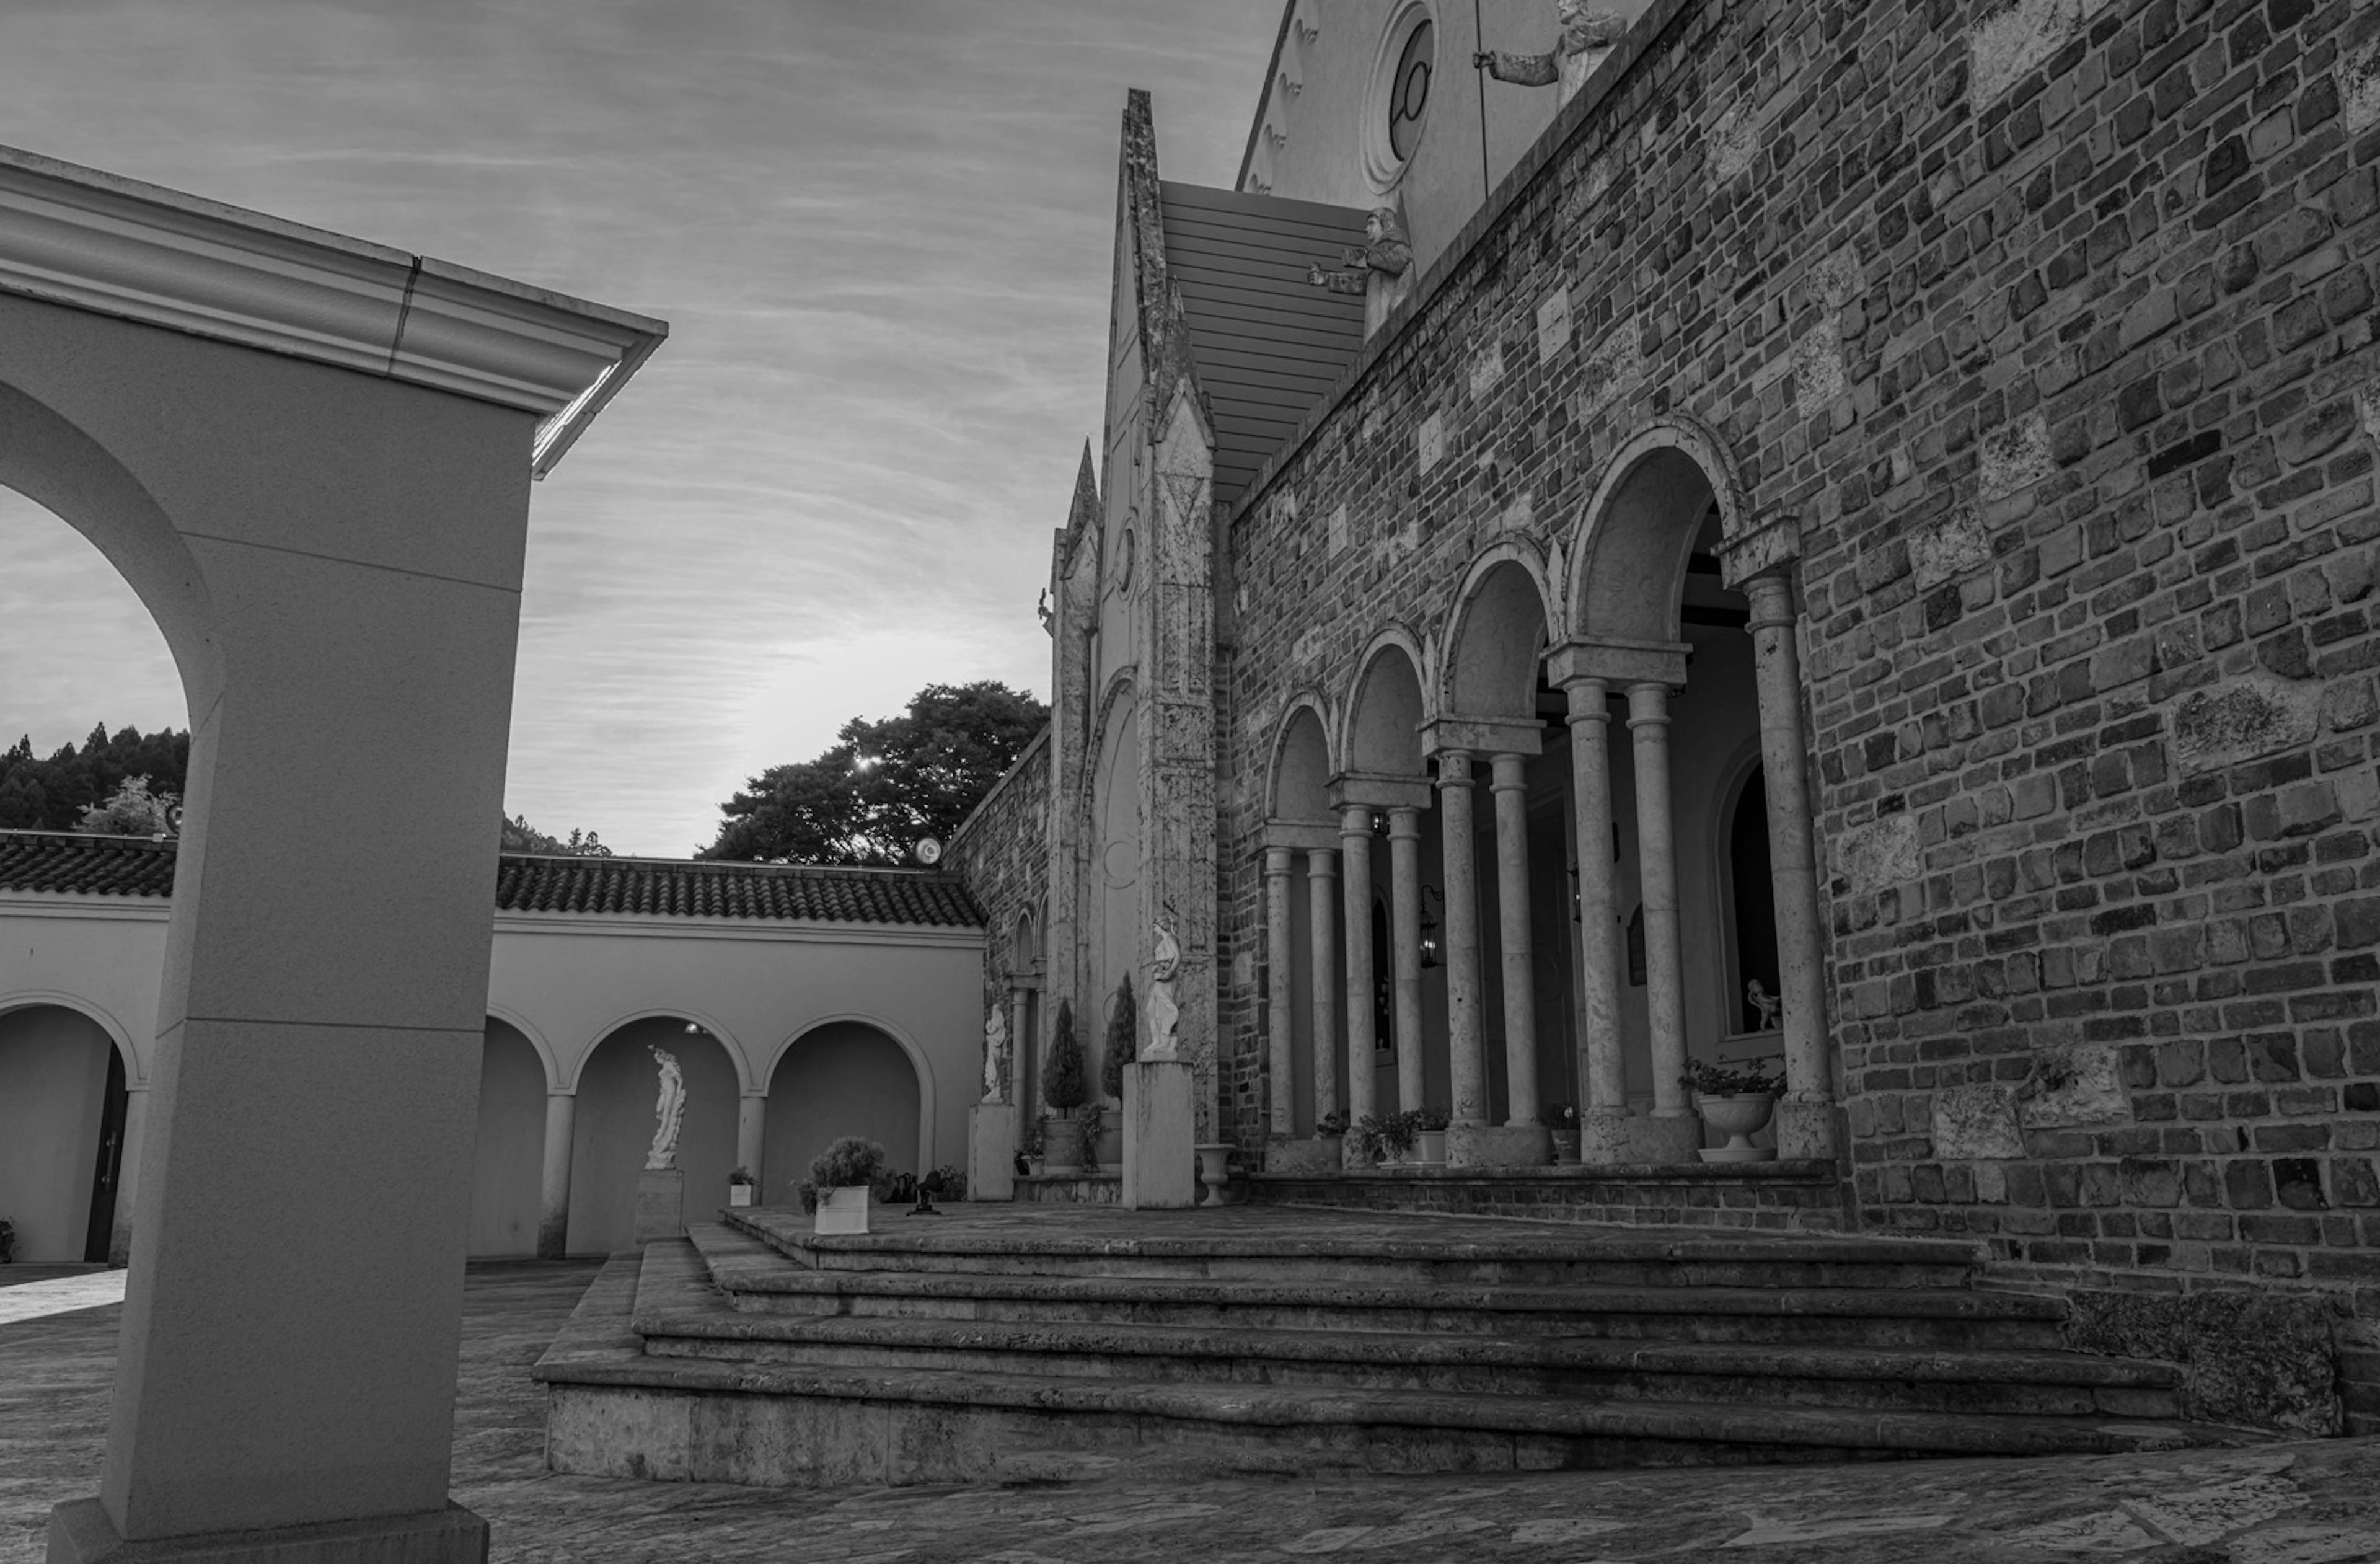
(1409, 90)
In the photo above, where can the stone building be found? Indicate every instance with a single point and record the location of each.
(1871, 501)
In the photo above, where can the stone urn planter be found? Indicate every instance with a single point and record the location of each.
(1739, 1115)
(1429, 1148)
(739, 1188)
(843, 1209)
(1215, 1171)
(1062, 1143)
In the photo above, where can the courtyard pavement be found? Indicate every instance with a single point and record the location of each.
(2305, 1503)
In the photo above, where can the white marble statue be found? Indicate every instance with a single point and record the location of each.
(669, 1110)
(1765, 1005)
(1164, 1016)
(1587, 37)
(995, 1048)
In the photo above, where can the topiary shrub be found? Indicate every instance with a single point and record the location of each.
(1062, 1085)
(1124, 1040)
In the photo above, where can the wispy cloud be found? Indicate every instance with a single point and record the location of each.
(882, 236)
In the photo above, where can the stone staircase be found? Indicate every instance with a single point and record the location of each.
(1011, 1344)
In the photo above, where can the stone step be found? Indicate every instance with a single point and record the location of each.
(1288, 1244)
(615, 1409)
(759, 1279)
(679, 1313)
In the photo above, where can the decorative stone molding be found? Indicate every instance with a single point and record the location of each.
(113, 245)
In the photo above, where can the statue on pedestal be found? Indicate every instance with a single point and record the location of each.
(1164, 1014)
(669, 1110)
(995, 1048)
(1587, 37)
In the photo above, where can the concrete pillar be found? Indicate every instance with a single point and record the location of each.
(1463, 1038)
(751, 1131)
(1280, 1102)
(554, 1187)
(1602, 1069)
(1648, 728)
(1405, 949)
(127, 1171)
(1511, 791)
(1356, 887)
(1322, 951)
(1805, 1117)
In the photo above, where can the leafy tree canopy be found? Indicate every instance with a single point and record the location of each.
(54, 794)
(520, 836)
(885, 784)
(130, 810)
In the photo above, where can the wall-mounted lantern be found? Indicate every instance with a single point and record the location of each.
(1430, 896)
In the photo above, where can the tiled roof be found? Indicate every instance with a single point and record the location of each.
(124, 865)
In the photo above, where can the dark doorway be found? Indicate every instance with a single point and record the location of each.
(1755, 898)
(109, 1169)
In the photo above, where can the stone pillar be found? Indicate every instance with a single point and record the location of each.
(1463, 1041)
(1021, 1047)
(1355, 886)
(1322, 940)
(1602, 1069)
(1160, 1158)
(128, 1170)
(1404, 948)
(1511, 790)
(1806, 1122)
(553, 1188)
(1280, 1101)
(751, 1132)
(1648, 728)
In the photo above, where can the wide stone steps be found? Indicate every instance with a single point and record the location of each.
(731, 1357)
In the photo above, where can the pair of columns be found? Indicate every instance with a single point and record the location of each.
(561, 1130)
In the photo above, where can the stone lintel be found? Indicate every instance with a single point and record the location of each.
(1377, 790)
(1483, 735)
(1302, 836)
(1618, 663)
(1775, 543)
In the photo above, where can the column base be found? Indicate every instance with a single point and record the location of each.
(1498, 1146)
(1805, 1128)
(660, 1204)
(992, 1151)
(1664, 1140)
(80, 1533)
(1603, 1136)
(1292, 1155)
(554, 1237)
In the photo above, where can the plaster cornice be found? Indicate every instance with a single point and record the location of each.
(117, 247)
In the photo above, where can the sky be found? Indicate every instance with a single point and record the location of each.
(880, 231)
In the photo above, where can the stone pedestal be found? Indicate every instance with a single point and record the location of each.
(1498, 1146)
(992, 1151)
(1805, 1128)
(80, 1533)
(1160, 1158)
(1656, 1139)
(660, 1204)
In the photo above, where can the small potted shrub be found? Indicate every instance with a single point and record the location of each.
(1063, 1091)
(1429, 1135)
(1736, 1104)
(1382, 1138)
(1122, 1048)
(1029, 1161)
(1331, 1131)
(739, 1187)
(1566, 1138)
(836, 1193)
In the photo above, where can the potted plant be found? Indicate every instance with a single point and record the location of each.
(1385, 1138)
(1331, 1131)
(1429, 1135)
(1122, 1048)
(1736, 1103)
(836, 1193)
(1065, 1091)
(739, 1187)
(1566, 1138)
(1029, 1161)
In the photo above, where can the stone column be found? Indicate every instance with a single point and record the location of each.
(1805, 1117)
(1648, 727)
(1404, 948)
(1021, 1048)
(553, 1188)
(128, 1170)
(1516, 953)
(751, 1132)
(1602, 1069)
(1322, 932)
(1280, 1101)
(1356, 887)
(1462, 1042)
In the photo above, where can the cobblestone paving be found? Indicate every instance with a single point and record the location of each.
(2311, 1503)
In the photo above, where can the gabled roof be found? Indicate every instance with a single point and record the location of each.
(127, 866)
(1266, 344)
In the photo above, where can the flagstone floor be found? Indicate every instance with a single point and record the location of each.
(2313, 1503)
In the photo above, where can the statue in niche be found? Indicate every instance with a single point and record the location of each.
(1164, 1015)
(995, 1050)
(1585, 38)
(1768, 1007)
(669, 1110)
(1385, 253)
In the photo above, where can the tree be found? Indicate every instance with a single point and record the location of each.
(883, 784)
(53, 794)
(1062, 1085)
(130, 810)
(520, 836)
(1124, 1040)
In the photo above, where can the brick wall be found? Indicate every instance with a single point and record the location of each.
(1002, 854)
(2052, 331)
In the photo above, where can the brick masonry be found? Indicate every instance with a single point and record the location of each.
(2049, 327)
(1001, 852)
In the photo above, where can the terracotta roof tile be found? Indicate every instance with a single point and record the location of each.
(123, 865)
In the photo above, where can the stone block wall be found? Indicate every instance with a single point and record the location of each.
(2048, 326)
(1001, 855)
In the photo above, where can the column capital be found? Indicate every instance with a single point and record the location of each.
(1771, 597)
(1484, 736)
(1322, 863)
(1649, 704)
(1355, 821)
(1277, 862)
(1300, 836)
(1615, 661)
(1771, 544)
(1510, 773)
(1404, 824)
(1378, 790)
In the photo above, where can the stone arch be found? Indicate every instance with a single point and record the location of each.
(737, 1056)
(135, 1075)
(64, 1112)
(612, 1122)
(780, 1151)
(551, 1060)
(1298, 779)
(517, 1078)
(1637, 532)
(1025, 943)
(1116, 836)
(1502, 622)
(1387, 703)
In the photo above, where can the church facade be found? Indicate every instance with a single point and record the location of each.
(1833, 537)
